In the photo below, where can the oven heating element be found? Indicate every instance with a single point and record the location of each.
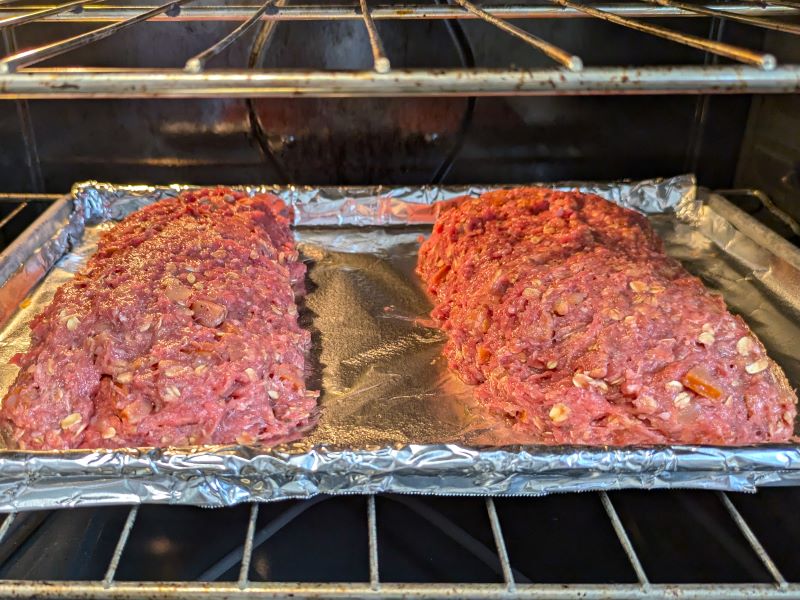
(753, 71)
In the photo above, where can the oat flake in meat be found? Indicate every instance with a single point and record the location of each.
(566, 314)
(181, 329)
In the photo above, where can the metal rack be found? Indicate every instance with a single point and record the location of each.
(754, 71)
(108, 587)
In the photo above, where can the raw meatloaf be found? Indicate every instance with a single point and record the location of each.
(181, 329)
(566, 314)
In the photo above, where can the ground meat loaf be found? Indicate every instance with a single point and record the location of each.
(181, 329)
(566, 314)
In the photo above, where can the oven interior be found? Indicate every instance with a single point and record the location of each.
(343, 93)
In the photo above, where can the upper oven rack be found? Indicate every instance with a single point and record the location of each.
(750, 70)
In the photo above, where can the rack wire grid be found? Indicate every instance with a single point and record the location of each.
(747, 70)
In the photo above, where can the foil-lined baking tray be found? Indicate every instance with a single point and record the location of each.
(393, 418)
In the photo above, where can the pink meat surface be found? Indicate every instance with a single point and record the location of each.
(565, 313)
(181, 329)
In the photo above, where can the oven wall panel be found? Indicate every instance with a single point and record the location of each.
(18, 170)
(770, 153)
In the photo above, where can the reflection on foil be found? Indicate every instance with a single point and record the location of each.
(393, 418)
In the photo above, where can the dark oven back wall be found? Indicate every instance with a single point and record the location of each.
(370, 141)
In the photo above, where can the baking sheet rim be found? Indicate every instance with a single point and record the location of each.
(525, 467)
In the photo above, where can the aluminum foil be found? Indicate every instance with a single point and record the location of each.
(393, 418)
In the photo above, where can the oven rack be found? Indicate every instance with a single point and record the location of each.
(110, 588)
(750, 70)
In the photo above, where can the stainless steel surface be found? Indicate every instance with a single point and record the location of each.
(198, 62)
(380, 62)
(406, 12)
(10, 64)
(572, 62)
(74, 83)
(763, 60)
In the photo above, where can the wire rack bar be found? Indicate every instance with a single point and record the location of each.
(35, 15)
(198, 62)
(743, 55)
(553, 52)
(234, 557)
(7, 219)
(28, 57)
(191, 590)
(619, 529)
(241, 12)
(723, 14)
(247, 551)
(7, 525)
(500, 542)
(17, 198)
(372, 529)
(751, 538)
(380, 61)
(69, 83)
(123, 539)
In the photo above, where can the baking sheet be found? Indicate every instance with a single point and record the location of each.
(393, 418)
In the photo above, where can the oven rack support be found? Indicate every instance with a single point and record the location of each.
(375, 588)
(752, 70)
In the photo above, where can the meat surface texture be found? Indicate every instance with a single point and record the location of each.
(181, 329)
(565, 313)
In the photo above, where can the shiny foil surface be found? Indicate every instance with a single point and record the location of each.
(392, 416)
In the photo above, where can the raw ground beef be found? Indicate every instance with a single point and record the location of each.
(181, 329)
(565, 313)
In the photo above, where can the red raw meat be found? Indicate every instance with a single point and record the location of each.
(565, 313)
(181, 329)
